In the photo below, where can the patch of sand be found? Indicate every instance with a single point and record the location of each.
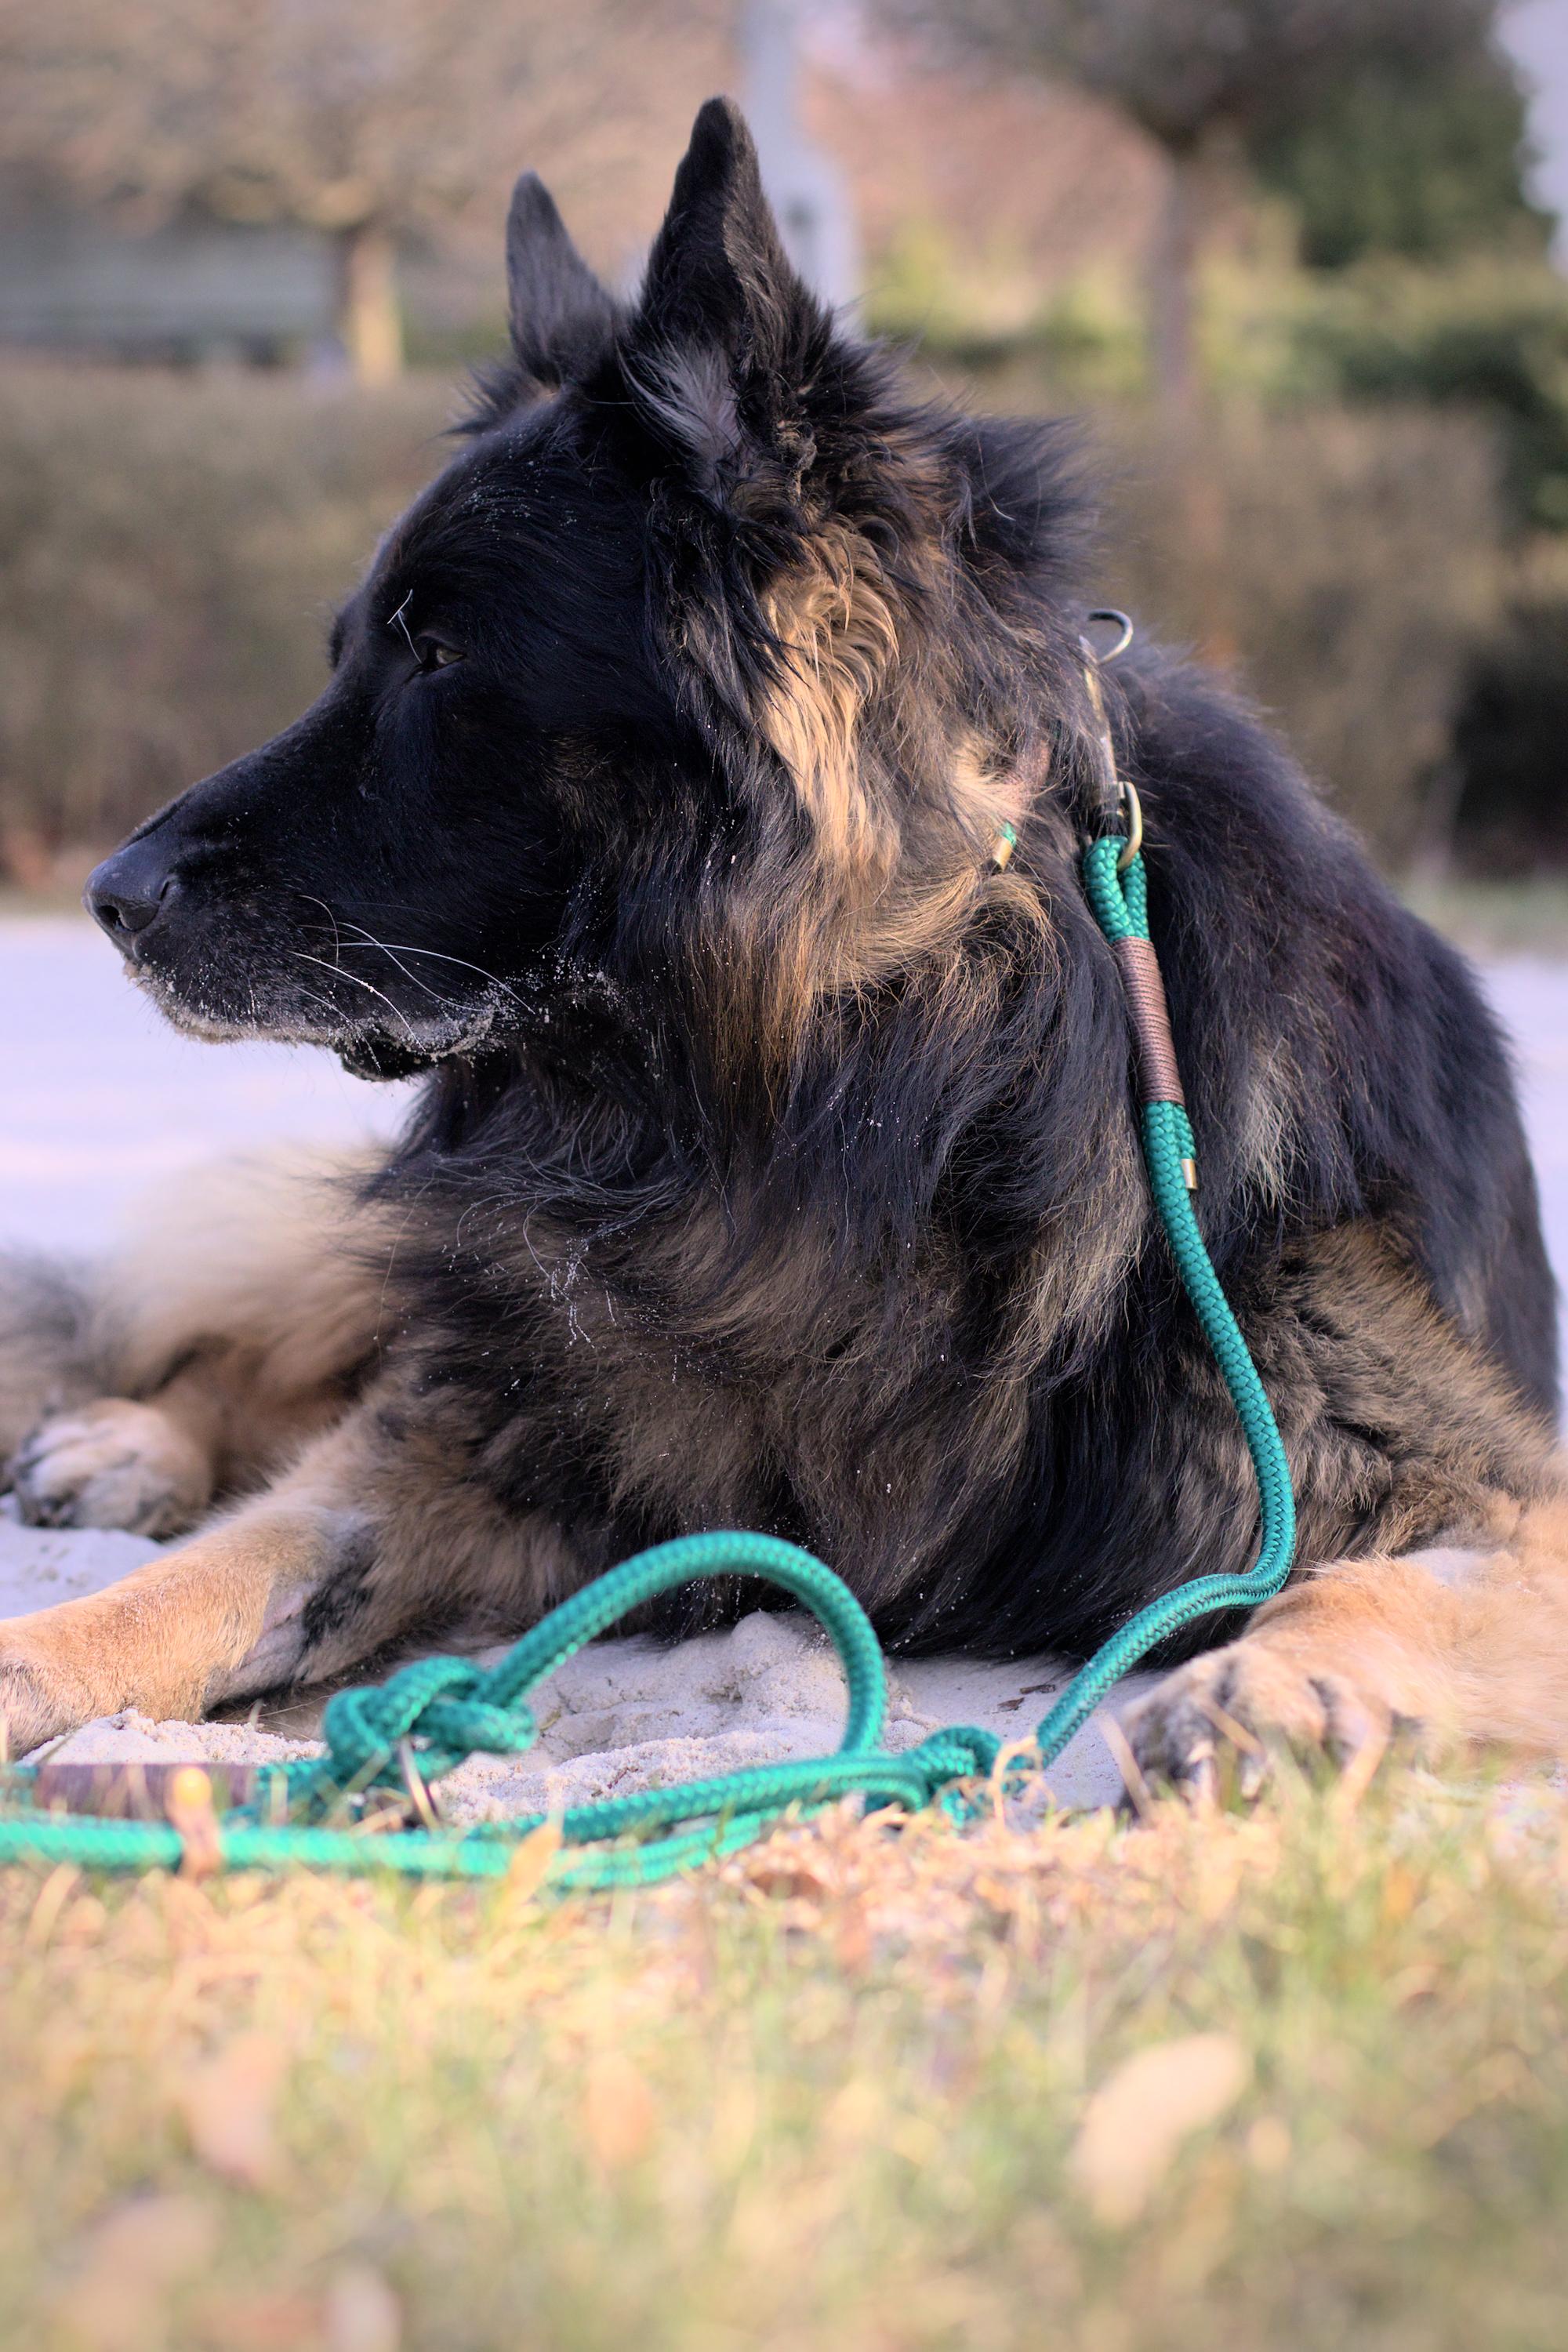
(620, 1715)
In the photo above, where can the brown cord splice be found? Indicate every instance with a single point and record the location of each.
(1159, 1080)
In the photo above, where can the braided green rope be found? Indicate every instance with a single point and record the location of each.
(434, 1714)
(1120, 907)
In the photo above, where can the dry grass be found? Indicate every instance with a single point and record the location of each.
(1295, 2080)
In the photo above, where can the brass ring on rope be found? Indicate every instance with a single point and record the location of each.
(1134, 807)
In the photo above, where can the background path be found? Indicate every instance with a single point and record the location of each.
(100, 1097)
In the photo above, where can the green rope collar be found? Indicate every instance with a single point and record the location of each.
(430, 1716)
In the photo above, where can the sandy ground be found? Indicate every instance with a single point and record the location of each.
(101, 1099)
(622, 1714)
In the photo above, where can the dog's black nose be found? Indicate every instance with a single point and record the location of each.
(125, 893)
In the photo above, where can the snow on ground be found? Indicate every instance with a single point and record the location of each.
(100, 1099)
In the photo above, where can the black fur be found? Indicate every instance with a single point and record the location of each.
(777, 1161)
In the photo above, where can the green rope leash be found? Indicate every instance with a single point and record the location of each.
(434, 1712)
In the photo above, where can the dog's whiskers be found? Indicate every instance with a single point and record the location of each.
(341, 974)
(401, 946)
(382, 947)
(310, 900)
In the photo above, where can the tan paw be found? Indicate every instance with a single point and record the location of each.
(37, 1701)
(1220, 1720)
(111, 1465)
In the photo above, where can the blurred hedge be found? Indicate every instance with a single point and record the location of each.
(171, 548)
(1489, 336)
(1355, 568)
(1508, 777)
(1342, 563)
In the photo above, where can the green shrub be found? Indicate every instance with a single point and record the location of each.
(1086, 338)
(1491, 336)
(1398, 162)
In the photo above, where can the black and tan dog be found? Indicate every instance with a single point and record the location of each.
(776, 1165)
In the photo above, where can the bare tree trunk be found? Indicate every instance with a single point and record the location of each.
(1189, 432)
(370, 323)
(1172, 287)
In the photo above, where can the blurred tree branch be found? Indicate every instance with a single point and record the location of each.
(367, 120)
(1199, 76)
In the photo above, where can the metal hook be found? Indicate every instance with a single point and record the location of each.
(1124, 632)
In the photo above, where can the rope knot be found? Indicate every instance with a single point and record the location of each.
(444, 1703)
(961, 1751)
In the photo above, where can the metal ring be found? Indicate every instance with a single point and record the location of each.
(1125, 632)
(1134, 807)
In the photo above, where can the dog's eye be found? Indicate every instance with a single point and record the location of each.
(433, 653)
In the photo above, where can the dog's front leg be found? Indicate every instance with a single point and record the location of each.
(1456, 1650)
(227, 1614)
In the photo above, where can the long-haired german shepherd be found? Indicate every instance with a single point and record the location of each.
(776, 1165)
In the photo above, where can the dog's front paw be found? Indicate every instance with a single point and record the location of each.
(111, 1465)
(1221, 1718)
(37, 1703)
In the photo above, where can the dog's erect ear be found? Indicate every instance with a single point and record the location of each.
(562, 318)
(720, 348)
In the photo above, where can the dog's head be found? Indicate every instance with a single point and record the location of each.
(708, 652)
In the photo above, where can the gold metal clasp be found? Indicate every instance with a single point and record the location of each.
(1095, 659)
(1134, 808)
